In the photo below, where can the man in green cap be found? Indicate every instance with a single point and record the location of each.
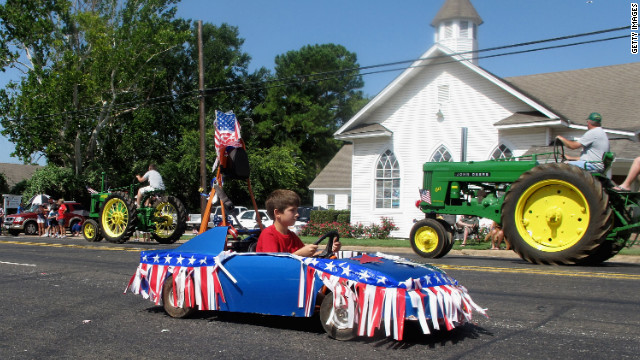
(593, 144)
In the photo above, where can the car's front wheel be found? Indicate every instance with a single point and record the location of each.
(335, 320)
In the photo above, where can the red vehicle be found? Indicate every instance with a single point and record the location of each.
(27, 221)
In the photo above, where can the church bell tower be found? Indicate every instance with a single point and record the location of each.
(456, 28)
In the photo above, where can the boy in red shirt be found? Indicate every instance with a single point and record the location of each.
(282, 207)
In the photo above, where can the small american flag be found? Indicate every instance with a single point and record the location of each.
(91, 191)
(425, 196)
(227, 131)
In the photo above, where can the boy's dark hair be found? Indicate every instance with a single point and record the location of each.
(152, 166)
(281, 199)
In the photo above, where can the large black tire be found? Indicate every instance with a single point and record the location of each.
(429, 238)
(91, 231)
(450, 231)
(605, 251)
(556, 214)
(31, 228)
(169, 304)
(118, 218)
(174, 220)
(328, 322)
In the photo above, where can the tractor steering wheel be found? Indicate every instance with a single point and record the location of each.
(328, 251)
(558, 150)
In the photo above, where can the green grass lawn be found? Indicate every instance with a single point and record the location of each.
(404, 243)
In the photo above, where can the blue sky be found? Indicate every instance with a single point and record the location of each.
(385, 31)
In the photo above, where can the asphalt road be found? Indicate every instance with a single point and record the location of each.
(64, 298)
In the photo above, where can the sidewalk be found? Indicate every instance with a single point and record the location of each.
(627, 259)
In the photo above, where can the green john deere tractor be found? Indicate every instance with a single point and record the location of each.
(113, 216)
(551, 213)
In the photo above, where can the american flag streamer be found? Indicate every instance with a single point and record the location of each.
(356, 280)
(425, 195)
(227, 131)
(91, 191)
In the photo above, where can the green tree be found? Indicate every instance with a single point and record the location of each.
(4, 186)
(322, 93)
(58, 182)
(97, 63)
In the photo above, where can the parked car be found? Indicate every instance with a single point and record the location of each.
(248, 219)
(27, 221)
(194, 220)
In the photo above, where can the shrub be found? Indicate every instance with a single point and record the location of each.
(373, 231)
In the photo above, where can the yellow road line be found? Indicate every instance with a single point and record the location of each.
(601, 275)
(115, 248)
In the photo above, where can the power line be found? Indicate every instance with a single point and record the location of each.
(334, 74)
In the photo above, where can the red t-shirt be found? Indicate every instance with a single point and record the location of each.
(61, 211)
(271, 240)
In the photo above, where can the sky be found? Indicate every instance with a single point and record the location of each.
(387, 31)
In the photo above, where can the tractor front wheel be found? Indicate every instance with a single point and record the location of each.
(118, 218)
(556, 214)
(91, 231)
(429, 238)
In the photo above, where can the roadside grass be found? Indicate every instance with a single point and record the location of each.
(404, 243)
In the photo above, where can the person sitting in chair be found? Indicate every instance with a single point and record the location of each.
(470, 225)
(155, 183)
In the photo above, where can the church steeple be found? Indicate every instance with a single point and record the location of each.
(456, 27)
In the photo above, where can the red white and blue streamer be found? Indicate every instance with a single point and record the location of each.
(369, 288)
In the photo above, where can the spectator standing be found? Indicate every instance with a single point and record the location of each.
(40, 219)
(1, 218)
(62, 209)
(53, 223)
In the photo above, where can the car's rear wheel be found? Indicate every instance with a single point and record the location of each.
(334, 321)
(169, 303)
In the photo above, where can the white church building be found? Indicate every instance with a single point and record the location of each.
(445, 107)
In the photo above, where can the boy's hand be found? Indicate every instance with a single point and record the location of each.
(308, 250)
(336, 246)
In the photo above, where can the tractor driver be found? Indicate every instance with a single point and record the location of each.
(593, 144)
(155, 182)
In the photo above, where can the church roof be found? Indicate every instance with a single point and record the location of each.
(572, 95)
(337, 173)
(457, 9)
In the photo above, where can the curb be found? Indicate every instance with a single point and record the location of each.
(505, 254)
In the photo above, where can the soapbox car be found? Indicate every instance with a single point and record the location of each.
(354, 293)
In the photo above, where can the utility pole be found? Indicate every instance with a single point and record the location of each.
(203, 162)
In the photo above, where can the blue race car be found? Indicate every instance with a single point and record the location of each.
(355, 293)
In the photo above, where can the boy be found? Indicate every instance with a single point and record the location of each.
(282, 207)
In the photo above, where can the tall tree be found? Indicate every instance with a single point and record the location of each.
(321, 92)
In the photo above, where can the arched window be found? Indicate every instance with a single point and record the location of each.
(387, 182)
(502, 152)
(442, 154)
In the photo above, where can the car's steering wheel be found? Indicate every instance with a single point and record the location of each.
(328, 251)
(558, 151)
